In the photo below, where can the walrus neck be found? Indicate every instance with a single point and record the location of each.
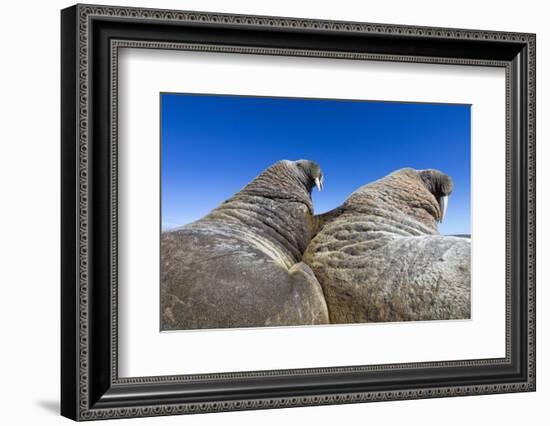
(282, 181)
(275, 205)
(402, 196)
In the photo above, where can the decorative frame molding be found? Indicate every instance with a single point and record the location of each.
(91, 388)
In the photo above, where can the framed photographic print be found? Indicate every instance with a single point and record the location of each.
(263, 212)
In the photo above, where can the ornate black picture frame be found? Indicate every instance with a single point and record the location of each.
(90, 38)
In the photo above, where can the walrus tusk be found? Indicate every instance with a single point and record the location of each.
(318, 184)
(443, 201)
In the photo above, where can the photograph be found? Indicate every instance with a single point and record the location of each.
(279, 211)
(265, 209)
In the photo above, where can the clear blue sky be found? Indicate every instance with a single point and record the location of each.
(213, 145)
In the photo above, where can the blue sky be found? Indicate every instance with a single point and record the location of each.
(213, 145)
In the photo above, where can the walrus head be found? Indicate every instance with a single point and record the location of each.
(440, 185)
(311, 174)
(419, 195)
(285, 180)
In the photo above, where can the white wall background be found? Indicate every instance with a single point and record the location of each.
(29, 212)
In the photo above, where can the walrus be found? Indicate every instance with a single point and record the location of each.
(379, 257)
(240, 265)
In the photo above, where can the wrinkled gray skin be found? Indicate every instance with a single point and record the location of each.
(240, 265)
(379, 257)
